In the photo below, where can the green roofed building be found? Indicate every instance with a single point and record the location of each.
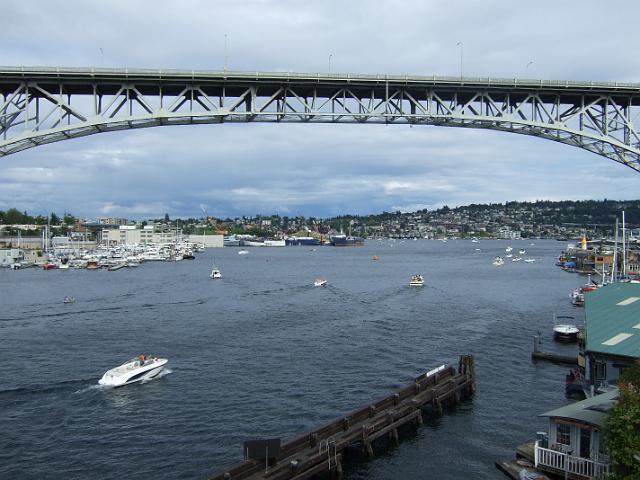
(612, 317)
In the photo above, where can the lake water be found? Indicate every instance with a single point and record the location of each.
(263, 353)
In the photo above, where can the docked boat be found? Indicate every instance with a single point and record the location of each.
(320, 282)
(416, 280)
(135, 370)
(49, 266)
(294, 240)
(565, 329)
(342, 240)
(498, 261)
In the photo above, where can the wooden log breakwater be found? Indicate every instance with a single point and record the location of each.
(322, 450)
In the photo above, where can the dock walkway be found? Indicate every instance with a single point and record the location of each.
(322, 450)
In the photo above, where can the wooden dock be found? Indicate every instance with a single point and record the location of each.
(551, 357)
(323, 450)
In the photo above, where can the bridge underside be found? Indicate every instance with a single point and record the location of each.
(48, 105)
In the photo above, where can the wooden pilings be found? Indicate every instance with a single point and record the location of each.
(322, 450)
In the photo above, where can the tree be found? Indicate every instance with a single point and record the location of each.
(166, 218)
(55, 219)
(622, 431)
(68, 219)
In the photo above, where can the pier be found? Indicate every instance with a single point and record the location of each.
(551, 357)
(323, 450)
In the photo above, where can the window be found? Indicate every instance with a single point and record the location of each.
(563, 434)
(600, 371)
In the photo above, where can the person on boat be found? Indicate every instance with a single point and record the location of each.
(141, 357)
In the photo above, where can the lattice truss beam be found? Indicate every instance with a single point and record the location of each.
(34, 114)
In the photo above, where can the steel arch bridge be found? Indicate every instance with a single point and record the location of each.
(45, 105)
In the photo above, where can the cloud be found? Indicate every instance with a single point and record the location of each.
(313, 170)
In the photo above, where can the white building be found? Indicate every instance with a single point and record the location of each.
(10, 255)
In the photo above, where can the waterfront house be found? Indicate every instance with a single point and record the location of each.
(573, 447)
(612, 336)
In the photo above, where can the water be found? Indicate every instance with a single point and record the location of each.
(263, 353)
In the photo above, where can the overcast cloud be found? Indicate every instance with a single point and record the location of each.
(315, 170)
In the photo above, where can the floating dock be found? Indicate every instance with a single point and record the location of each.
(322, 451)
(551, 357)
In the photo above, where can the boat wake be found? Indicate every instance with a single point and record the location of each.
(39, 389)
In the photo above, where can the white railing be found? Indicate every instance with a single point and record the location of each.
(564, 462)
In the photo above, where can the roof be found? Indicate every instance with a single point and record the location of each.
(593, 411)
(612, 315)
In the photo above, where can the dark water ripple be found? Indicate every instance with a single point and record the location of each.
(262, 353)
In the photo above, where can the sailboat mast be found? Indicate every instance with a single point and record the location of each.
(624, 248)
(614, 265)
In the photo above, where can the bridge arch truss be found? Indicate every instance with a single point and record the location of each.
(45, 105)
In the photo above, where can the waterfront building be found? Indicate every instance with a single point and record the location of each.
(573, 447)
(9, 256)
(209, 241)
(130, 235)
(612, 337)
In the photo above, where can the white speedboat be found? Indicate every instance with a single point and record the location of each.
(135, 370)
(529, 260)
(215, 273)
(565, 329)
(498, 261)
(243, 252)
(320, 282)
(416, 280)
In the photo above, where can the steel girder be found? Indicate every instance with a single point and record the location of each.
(41, 106)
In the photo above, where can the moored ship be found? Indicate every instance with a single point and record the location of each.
(342, 240)
(301, 241)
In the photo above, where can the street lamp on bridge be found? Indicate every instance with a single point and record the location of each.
(330, 55)
(460, 44)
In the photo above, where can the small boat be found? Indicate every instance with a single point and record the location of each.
(375, 257)
(215, 272)
(565, 329)
(516, 259)
(69, 300)
(117, 266)
(508, 249)
(320, 282)
(522, 251)
(416, 280)
(49, 266)
(135, 370)
(243, 252)
(529, 260)
(498, 261)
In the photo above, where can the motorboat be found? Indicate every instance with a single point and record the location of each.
(516, 259)
(243, 252)
(215, 272)
(522, 251)
(529, 260)
(498, 261)
(565, 329)
(375, 257)
(135, 370)
(320, 282)
(508, 249)
(69, 300)
(416, 280)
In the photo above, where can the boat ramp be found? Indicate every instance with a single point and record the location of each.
(323, 450)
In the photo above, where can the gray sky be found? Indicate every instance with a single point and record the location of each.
(315, 170)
